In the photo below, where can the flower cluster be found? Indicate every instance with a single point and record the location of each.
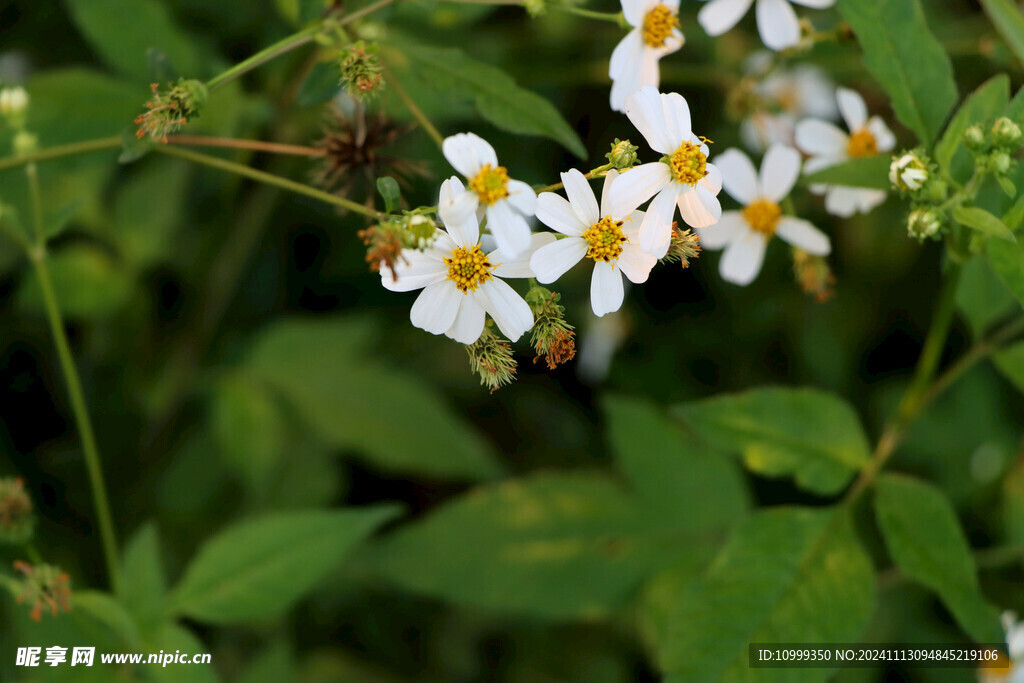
(170, 108)
(44, 587)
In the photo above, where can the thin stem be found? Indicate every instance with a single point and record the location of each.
(370, 9)
(614, 17)
(269, 179)
(37, 202)
(265, 55)
(73, 149)
(416, 112)
(93, 464)
(589, 175)
(256, 145)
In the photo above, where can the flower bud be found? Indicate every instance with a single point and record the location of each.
(169, 110)
(924, 223)
(936, 190)
(974, 137)
(1006, 133)
(421, 231)
(998, 162)
(14, 105)
(623, 154)
(16, 519)
(553, 337)
(490, 357)
(44, 586)
(908, 172)
(361, 72)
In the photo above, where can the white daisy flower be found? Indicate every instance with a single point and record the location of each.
(744, 234)
(607, 237)
(683, 177)
(507, 203)
(655, 34)
(776, 20)
(461, 283)
(784, 97)
(828, 145)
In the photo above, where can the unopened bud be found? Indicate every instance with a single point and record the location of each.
(14, 105)
(1006, 133)
(908, 172)
(170, 108)
(553, 338)
(924, 223)
(361, 72)
(421, 231)
(25, 142)
(974, 137)
(490, 357)
(935, 190)
(44, 587)
(623, 154)
(16, 519)
(998, 162)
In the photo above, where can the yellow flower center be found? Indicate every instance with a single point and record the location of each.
(490, 184)
(658, 25)
(469, 268)
(688, 164)
(763, 216)
(605, 239)
(862, 144)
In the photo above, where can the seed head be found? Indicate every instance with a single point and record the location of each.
(44, 586)
(553, 338)
(490, 357)
(171, 108)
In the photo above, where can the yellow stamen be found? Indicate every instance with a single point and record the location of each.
(763, 216)
(490, 184)
(605, 239)
(862, 144)
(658, 25)
(688, 164)
(469, 268)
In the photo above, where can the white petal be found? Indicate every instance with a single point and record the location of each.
(581, 197)
(656, 230)
(677, 117)
(721, 233)
(884, 138)
(555, 212)
(635, 263)
(469, 322)
(459, 210)
(803, 235)
(852, 107)
(626, 55)
(520, 265)
(552, 261)
(510, 229)
(635, 186)
(718, 16)
(450, 188)
(468, 153)
(821, 138)
(635, 10)
(522, 197)
(777, 24)
(842, 201)
(815, 4)
(606, 193)
(464, 233)
(739, 177)
(645, 110)
(436, 307)
(606, 291)
(780, 169)
(631, 226)
(742, 259)
(511, 313)
(415, 270)
(712, 182)
(869, 199)
(699, 208)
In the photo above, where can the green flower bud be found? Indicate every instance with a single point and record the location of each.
(623, 154)
(170, 109)
(998, 162)
(25, 142)
(361, 72)
(935, 191)
(1006, 133)
(14, 105)
(924, 223)
(421, 231)
(974, 137)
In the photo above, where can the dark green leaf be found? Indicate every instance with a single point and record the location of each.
(149, 209)
(322, 84)
(869, 172)
(311, 9)
(107, 611)
(981, 297)
(1009, 21)
(926, 542)
(248, 428)
(161, 70)
(809, 434)
(258, 568)
(1013, 503)
(982, 221)
(133, 147)
(907, 60)
(1010, 362)
(143, 585)
(389, 190)
(87, 281)
(1007, 259)
(982, 106)
(787, 575)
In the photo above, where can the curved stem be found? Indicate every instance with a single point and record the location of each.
(73, 149)
(265, 55)
(416, 112)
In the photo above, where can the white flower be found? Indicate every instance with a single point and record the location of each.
(607, 237)
(655, 34)
(13, 101)
(776, 20)
(745, 234)
(507, 203)
(908, 172)
(783, 98)
(683, 177)
(828, 145)
(461, 283)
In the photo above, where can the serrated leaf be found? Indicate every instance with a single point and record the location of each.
(327, 371)
(808, 434)
(907, 60)
(389, 190)
(868, 172)
(256, 569)
(981, 106)
(787, 575)
(926, 542)
(1009, 22)
(496, 95)
(982, 221)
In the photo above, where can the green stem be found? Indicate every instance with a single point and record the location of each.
(614, 17)
(93, 463)
(73, 149)
(269, 179)
(37, 202)
(265, 55)
(416, 112)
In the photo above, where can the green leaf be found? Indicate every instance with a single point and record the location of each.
(1015, 110)
(258, 568)
(522, 546)
(328, 372)
(57, 223)
(982, 221)
(787, 575)
(1010, 362)
(812, 435)
(149, 210)
(869, 172)
(1013, 503)
(322, 84)
(171, 637)
(143, 585)
(87, 281)
(310, 10)
(1009, 22)
(105, 610)
(926, 542)
(982, 106)
(981, 297)
(248, 427)
(1007, 261)
(124, 38)
(1007, 186)
(906, 59)
(497, 97)
(388, 188)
